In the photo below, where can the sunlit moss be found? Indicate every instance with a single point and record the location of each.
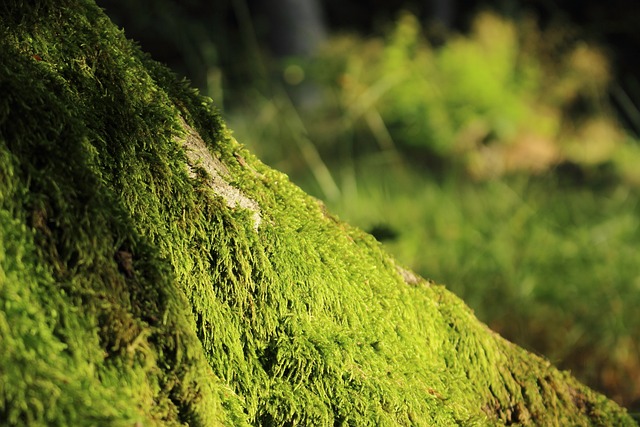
(133, 293)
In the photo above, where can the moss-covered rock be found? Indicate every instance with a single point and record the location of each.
(153, 272)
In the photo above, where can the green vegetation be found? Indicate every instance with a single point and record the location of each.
(548, 265)
(488, 103)
(154, 272)
(497, 162)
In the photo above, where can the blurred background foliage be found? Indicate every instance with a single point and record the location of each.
(492, 148)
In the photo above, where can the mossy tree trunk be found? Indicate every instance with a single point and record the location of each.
(153, 272)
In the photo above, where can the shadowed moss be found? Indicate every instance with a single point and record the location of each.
(134, 292)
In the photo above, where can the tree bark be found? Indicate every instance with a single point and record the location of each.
(154, 272)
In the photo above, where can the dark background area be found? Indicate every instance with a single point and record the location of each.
(191, 36)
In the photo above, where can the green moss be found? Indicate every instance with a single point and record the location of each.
(133, 293)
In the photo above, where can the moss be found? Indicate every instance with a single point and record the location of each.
(134, 291)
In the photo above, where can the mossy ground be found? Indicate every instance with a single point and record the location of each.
(133, 294)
